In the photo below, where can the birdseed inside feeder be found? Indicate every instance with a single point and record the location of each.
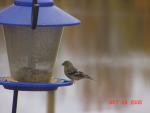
(32, 31)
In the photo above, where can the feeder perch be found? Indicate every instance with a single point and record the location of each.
(25, 86)
(32, 31)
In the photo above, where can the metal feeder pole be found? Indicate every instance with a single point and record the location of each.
(35, 12)
(34, 19)
(15, 98)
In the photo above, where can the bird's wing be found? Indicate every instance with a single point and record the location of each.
(83, 75)
(72, 71)
(75, 72)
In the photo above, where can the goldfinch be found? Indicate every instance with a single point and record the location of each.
(72, 73)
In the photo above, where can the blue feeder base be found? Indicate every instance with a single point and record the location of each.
(27, 86)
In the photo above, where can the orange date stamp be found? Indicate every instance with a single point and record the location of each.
(126, 102)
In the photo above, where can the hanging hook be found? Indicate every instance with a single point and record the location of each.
(35, 13)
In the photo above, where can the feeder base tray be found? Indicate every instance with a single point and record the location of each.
(28, 86)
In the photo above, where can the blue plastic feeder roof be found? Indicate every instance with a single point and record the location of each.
(45, 13)
(20, 14)
(34, 13)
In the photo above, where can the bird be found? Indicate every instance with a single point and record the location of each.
(72, 72)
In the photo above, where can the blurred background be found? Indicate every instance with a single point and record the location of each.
(112, 45)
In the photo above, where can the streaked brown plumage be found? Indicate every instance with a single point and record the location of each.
(72, 73)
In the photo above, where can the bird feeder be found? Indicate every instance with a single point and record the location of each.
(32, 31)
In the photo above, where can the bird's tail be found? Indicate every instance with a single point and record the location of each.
(90, 78)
